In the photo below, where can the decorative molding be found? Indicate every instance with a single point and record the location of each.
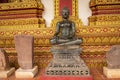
(103, 2)
(91, 35)
(19, 5)
(99, 20)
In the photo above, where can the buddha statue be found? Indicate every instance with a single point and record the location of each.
(66, 50)
(65, 31)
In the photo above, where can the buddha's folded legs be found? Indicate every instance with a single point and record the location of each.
(75, 42)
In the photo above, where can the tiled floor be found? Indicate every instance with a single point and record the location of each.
(95, 72)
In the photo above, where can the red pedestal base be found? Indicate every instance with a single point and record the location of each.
(43, 77)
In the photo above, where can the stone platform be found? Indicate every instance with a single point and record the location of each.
(29, 73)
(7, 73)
(65, 78)
(67, 61)
(111, 73)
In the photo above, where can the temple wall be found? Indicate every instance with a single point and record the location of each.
(26, 18)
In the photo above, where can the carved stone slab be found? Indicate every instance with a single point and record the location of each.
(24, 48)
(113, 57)
(4, 61)
(67, 61)
(5, 69)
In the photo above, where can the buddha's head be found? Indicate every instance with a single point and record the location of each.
(65, 13)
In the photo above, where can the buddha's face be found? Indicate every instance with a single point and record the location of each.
(65, 13)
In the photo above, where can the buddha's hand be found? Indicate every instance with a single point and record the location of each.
(55, 37)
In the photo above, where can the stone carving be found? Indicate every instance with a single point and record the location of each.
(24, 48)
(4, 61)
(65, 31)
(113, 57)
(5, 69)
(66, 50)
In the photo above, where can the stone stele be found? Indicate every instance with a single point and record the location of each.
(113, 62)
(24, 48)
(5, 69)
(113, 57)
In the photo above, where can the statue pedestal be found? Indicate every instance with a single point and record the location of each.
(6, 73)
(29, 73)
(67, 62)
(111, 73)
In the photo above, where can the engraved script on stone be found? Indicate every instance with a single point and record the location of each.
(24, 48)
(113, 57)
(4, 61)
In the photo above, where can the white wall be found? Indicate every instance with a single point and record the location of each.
(48, 13)
(83, 6)
(84, 10)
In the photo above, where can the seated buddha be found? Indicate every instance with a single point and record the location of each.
(65, 31)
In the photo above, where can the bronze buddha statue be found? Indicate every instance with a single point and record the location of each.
(65, 31)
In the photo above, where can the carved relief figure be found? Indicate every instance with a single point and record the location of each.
(4, 62)
(113, 57)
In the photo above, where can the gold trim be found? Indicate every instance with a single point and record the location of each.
(109, 19)
(18, 5)
(103, 2)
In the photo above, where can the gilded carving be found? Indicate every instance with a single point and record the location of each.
(98, 2)
(23, 18)
(19, 22)
(73, 17)
(113, 19)
(13, 1)
(22, 0)
(42, 35)
(107, 7)
(104, 12)
(31, 4)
